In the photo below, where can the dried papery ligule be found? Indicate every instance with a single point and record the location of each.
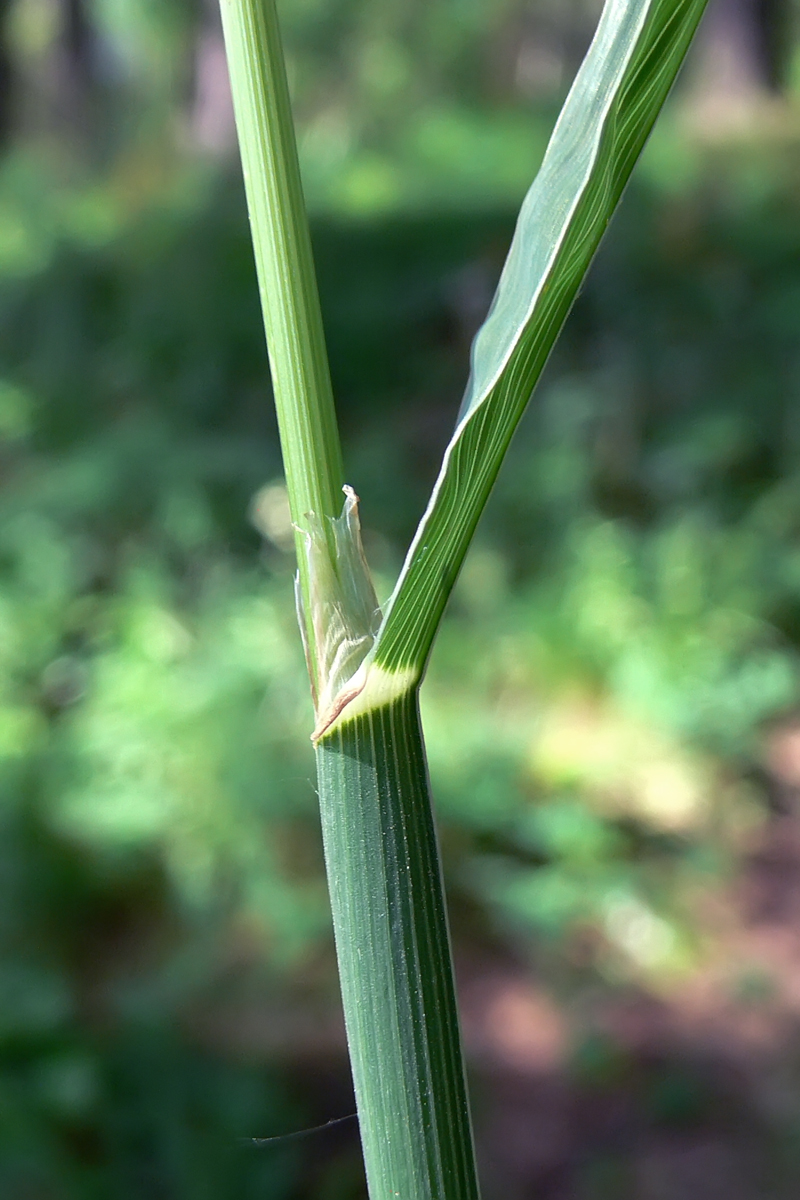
(345, 614)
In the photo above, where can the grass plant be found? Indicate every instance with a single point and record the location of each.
(366, 667)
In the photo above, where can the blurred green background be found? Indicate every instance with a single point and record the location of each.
(613, 708)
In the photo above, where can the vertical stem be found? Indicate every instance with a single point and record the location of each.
(394, 956)
(282, 245)
(380, 842)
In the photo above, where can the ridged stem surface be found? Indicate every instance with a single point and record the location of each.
(394, 956)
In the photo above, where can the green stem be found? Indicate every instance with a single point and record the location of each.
(380, 842)
(394, 956)
(282, 245)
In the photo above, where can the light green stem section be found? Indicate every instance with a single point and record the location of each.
(282, 245)
(394, 956)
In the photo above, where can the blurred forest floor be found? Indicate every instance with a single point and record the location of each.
(613, 708)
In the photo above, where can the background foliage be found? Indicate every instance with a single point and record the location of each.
(611, 708)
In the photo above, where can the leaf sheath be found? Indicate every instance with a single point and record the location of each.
(394, 956)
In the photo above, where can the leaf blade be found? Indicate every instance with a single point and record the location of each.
(628, 71)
